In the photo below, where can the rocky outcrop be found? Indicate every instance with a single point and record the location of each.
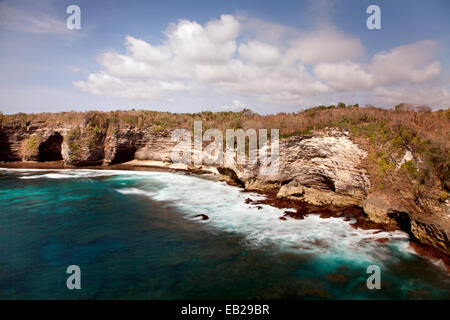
(5, 148)
(433, 230)
(377, 206)
(320, 169)
(434, 233)
(121, 145)
(31, 142)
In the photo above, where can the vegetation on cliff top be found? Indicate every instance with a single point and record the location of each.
(385, 134)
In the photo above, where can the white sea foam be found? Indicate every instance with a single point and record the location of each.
(48, 175)
(227, 211)
(64, 173)
(226, 208)
(135, 191)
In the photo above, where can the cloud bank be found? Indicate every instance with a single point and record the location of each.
(229, 57)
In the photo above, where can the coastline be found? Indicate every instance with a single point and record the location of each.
(294, 209)
(134, 165)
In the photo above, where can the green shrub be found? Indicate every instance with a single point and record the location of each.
(157, 129)
(410, 168)
(32, 144)
(307, 131)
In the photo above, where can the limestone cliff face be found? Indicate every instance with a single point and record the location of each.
(323, 169)
(78, 145)
(432, 228)
(320, 169)
(31, 142)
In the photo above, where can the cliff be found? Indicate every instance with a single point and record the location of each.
(330, 168)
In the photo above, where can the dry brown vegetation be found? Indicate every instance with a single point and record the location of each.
(431, 125)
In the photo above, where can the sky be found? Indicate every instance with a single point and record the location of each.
(191, 56)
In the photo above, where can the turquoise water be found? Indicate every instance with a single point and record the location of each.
(135, 235)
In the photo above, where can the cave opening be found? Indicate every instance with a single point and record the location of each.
(124, 154)
(50, 150)
(5, 149)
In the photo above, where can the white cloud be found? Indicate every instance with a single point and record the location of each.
(142, 51)
(235, 106)
(431, 95)
(259, 53)
(99, 83)
(225, 29)
(214, 43)
(411, 63)
(345, 75)
(201, 57)
(325, 45)
(217, 58)
(265, 31)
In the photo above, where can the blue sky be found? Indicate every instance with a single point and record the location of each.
(189, 56)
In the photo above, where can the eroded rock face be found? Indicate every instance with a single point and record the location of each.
(320, 169)
(433, 230)
(433, 234)
(121, 145)
(316, 197)
(5, 148)
(157, 146)
(82, 145)
(31, 142)
(377, 206)
(83, 152)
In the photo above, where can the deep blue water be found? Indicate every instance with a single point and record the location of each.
(134, 235)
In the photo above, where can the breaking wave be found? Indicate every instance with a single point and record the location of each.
(260, 227)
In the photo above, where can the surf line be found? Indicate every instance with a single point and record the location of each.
(209, 311)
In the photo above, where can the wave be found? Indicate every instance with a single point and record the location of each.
(260, 227)
(226, 208)
(135, 191)
(68, 175)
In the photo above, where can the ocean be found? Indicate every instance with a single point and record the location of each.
(135, 235)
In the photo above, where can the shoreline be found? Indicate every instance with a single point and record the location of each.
(294, 209)
(134, 165)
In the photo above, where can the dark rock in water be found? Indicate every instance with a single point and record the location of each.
(259, 207)
(248, 200)
(294, 214)
(326, 214)
(282, 218)
(203, 216)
